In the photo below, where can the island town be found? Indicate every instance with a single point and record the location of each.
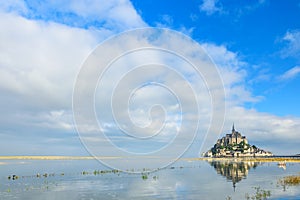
(235, 145)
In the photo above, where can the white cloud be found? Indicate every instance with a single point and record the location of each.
(210, 7)
(119, 13)
(60, 120)
(233, 72)
(290, 74)
(292, 49)
(194, 17)
(114, 15)
(17, 6)
(39, 62)
(262, 74)
(259, 127)
(186, 31)
(252, 7)
(41, 59)
(165, 21)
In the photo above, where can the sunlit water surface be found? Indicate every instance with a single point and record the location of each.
(185, 179)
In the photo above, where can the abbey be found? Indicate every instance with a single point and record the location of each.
(231, 139)
(235, 145)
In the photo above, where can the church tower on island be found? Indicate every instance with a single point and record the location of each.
(230, 139)
(235, 144)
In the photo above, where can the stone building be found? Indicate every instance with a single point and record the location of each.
(230, 139)
(235, 145)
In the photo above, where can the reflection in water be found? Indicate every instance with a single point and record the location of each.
(282, 165)
(233, 171)
(82, 179)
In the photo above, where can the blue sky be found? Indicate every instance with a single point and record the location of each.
(255, 30)
(255, 45)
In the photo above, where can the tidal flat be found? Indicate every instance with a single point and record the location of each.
(58, 177)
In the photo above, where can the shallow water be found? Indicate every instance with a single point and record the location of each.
(77, 179)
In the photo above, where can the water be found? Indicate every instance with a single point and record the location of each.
(185, 179)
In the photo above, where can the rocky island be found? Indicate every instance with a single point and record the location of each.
(235, 145)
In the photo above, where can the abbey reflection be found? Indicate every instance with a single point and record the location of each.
(233, 171)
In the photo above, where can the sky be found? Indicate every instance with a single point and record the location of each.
(255, 46)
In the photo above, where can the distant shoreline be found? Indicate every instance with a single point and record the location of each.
(55, 157)
(232, 159)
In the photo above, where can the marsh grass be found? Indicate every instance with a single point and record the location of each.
(289, 181)
(144, 176)
(260, 194)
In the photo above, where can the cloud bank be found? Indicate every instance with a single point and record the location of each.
(41, 55)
